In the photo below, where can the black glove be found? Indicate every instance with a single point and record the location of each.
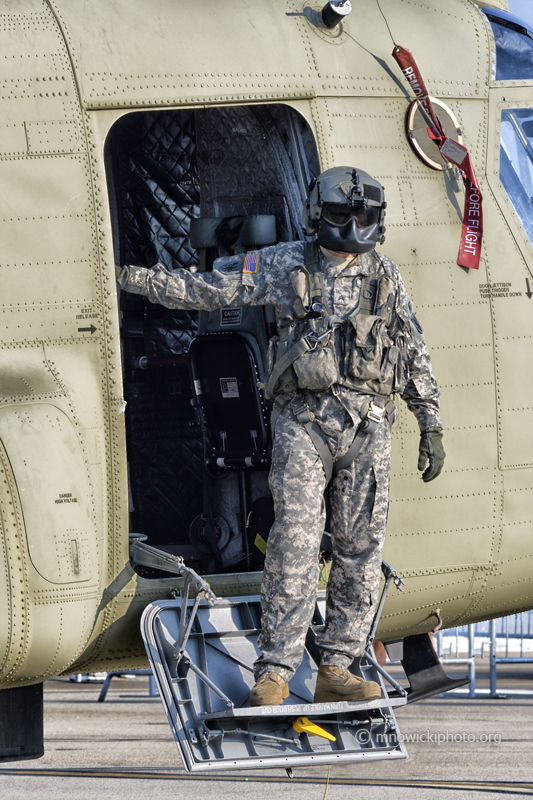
(122, 275)
(431, 449)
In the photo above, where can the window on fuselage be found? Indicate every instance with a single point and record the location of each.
(514, 46)
(516, 162)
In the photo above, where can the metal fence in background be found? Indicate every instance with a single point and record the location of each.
(507, 640)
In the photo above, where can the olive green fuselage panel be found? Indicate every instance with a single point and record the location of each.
(463, 542)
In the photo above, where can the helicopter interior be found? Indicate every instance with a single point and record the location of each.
(188, 186)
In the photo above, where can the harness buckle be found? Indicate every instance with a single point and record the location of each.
(312, 340)
(375, 413)
(302, 412)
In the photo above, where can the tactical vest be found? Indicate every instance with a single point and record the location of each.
(362, 352)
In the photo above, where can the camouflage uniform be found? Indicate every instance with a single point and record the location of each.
(359, 493)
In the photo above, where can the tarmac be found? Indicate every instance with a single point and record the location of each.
(123, 749)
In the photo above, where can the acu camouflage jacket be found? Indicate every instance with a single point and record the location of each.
(378, 346)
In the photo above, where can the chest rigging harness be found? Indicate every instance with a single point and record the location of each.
(316, 351)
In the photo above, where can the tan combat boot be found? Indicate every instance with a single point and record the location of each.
(269, 690)
(337, 684)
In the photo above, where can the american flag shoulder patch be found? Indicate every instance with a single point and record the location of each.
(251, 263)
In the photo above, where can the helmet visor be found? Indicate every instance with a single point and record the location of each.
(339, 215)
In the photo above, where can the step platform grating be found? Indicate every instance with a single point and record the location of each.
(203, 665)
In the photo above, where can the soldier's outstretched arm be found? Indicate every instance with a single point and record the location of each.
(201, 291)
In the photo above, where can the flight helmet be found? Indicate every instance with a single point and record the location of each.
(345, 207)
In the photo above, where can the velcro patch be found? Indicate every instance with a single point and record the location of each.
(230, 266)
(251, 263)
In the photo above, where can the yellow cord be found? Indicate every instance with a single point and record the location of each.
(327, 784)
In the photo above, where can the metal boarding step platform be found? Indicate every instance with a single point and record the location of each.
(202, 653)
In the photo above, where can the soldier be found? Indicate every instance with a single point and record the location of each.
(348, 339)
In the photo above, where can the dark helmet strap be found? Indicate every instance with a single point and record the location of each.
(316, 279)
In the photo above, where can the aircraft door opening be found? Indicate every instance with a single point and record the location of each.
(217, 167)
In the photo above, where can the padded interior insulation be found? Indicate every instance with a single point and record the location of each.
(164, 169)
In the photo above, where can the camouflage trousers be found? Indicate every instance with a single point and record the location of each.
(359, 505)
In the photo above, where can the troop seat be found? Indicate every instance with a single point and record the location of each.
(224, 376)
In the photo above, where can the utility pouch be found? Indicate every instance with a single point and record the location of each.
(318, 368)
(367, 297)
(301, 301)
(271, 356)
(368, 347)
(279, 378)
(385, 298)
(389, 365)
